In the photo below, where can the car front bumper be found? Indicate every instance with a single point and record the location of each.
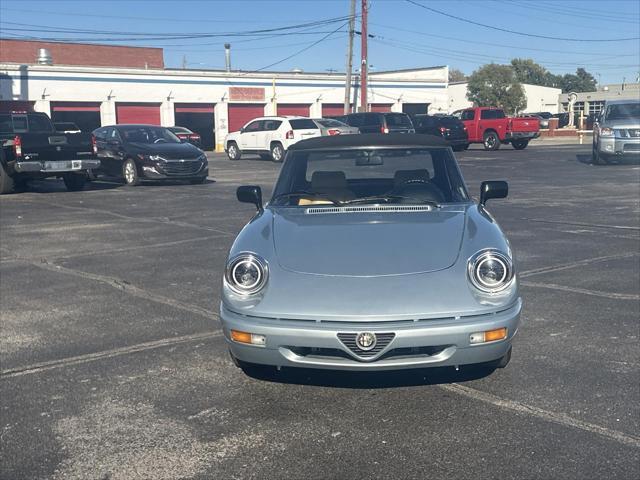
(55, 166)
(419, 344)
(626, 147)
(175, 171)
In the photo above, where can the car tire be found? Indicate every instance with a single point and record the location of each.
(233, 152)
(197, 181)
(491, 141)
(520, 144)
(74, 181)
(7, 184)
(277, 152)
(130, 173)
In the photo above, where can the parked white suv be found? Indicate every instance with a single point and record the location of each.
(269, 137)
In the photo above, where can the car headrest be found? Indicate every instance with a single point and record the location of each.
(404, 176)
(328, 180)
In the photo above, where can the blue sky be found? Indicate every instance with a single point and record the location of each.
(406, 35)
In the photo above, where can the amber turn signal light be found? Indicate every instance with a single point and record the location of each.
(488, 336)
(246, 337)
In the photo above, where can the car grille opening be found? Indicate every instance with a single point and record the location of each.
(382, 341)
(179, 168)
(394, 353)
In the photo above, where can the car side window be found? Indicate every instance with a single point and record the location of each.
(372, 120)
(254, 126)
(354, 120)
(114, 135)
(468, 115)
(271, 125)
(488, 114)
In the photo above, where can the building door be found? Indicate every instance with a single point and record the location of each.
(199, 118)
(86, 115)
(332, 109)
(142, 113)
(415, 108)
(241, 113)
(380, 107)
(296, 109)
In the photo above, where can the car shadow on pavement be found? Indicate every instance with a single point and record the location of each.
(369, 380)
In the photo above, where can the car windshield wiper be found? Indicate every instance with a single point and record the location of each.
(304, 193)
(388, 199)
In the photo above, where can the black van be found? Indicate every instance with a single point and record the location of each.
(375, 122)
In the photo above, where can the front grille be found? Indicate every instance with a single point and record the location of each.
(628, 132)
(395, 353)
(632, 147)
(181, 168)
(349, 341)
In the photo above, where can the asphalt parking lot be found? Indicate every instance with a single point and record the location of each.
(114, 367)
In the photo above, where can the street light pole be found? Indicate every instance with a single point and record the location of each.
(363, 63)
(347, 85)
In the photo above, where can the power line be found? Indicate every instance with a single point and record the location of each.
(472, 22)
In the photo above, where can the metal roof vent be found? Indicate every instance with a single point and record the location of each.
(44, 57)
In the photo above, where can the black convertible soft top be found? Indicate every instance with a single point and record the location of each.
(370, 140)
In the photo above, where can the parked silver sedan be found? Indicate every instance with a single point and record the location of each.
(329, 127)
(371, 255)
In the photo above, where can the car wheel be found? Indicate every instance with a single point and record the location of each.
(197, 181)
(130, 173)
(491, 141)
(7, 185)
(233, 152)
(520, 144)
(277, 152)
(74, 181)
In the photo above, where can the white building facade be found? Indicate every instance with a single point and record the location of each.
(216, 101)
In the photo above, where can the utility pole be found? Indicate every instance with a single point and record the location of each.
(363, 64)
(347, 85)
(184, 62)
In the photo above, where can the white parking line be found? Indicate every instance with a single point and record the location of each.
(114, 352)
(579, 263)
(584, 291)
(559, 418)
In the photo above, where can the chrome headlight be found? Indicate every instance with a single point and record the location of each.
(246, 274)
(490, 271)
(607, 132)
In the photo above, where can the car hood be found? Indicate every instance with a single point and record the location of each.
(167, 150)
(367, 244)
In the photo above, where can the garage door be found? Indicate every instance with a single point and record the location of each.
(15, 106)
(85, 115)
(241, 113)
(293, 109)
(332, 109)
(146, 113)
(199, 118)
(380, 107)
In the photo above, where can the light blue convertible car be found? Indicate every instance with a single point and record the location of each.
(371, 255)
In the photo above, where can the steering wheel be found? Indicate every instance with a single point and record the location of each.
(160, 140)
(420, 189)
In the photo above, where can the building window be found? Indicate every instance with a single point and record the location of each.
(596, 106)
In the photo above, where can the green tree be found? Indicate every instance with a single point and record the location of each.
(456, 75)
(495, 85)
(582, 81)
(528, 71)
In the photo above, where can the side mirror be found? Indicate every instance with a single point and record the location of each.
(493, 189)
(242, 130)
(250, 194)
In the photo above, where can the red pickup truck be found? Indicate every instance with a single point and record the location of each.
(491, 127)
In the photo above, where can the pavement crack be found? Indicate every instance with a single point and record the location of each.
(126, 287)
(555, 417)
(114, 352)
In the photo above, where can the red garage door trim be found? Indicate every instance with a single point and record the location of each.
(296, 109)
(332, 109)
(144, 113)
(381, 107)
(195, 107)
(241, 113)
(75, 106)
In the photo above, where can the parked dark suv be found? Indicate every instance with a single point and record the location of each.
(448, 127)
(375, 122)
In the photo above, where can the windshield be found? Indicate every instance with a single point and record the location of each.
(375, 176)
(146, 134)
(623, 111)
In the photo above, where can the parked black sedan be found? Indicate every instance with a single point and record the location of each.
(448, 127)
(148, 152)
